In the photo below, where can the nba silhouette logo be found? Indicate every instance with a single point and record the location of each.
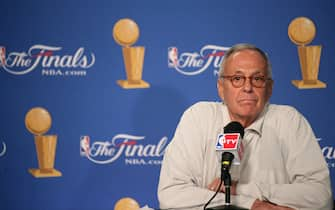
(84, 145)
(227, 141)
(172, 57)
(2, 56)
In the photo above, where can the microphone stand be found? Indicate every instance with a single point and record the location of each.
(227, 184)
(225, 176)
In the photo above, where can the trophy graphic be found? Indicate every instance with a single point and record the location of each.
(126, 203)
(38, 122)
(301, 32)
(126, 33)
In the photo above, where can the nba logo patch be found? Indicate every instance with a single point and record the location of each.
(227, 141)
(84, 145)
(172, 57)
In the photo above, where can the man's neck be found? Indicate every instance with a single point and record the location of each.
(245, 121)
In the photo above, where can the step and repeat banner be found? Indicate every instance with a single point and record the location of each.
(92, 91)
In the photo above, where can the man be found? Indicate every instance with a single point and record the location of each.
(282, 165)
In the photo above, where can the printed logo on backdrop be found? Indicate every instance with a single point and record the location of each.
(38, 121)
(126, 33)
(126, 203)
(129, 204)
(49, 60)
(3, 149)
(328, 152)
(130, 148)
(209, 57)
(301, 32)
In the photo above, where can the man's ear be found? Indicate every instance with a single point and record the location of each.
(220, 88)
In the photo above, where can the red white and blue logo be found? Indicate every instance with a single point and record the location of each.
(227, 141)
(194, 63)
(124, 146)
(51, 60)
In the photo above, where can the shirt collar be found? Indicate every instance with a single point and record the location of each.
(256, 126)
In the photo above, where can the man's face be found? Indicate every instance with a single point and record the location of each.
(246, 102)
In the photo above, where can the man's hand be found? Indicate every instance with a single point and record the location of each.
(263, 205)
(216, 182)
(257, 205)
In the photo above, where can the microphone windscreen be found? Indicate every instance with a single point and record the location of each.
(234, 127)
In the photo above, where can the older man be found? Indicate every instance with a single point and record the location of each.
(282, 165)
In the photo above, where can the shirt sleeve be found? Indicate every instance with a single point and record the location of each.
(309, 186)
(181, 184)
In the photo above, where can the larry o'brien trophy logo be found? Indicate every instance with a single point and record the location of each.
(38, 122)
(126, 33)
(302, 31)
(126, 204)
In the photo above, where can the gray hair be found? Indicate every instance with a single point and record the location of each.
(239, 47)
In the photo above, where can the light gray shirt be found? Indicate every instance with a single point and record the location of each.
(282, 161)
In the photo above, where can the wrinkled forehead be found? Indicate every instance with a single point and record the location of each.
(246, 61)
(247, 54)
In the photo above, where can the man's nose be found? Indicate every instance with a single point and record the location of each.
(247, 85)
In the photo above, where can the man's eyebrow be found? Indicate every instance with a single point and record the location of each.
(259, 72)
(254, 73)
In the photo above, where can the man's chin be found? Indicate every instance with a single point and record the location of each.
(248, 110)
(248, 107)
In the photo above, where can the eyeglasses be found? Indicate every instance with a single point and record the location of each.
(238, 80)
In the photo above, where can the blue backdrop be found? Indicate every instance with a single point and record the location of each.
(85, 102)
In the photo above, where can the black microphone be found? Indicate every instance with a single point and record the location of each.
(227, 159)
(232, 134)
(234, 127)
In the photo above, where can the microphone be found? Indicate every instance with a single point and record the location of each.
(228, 142)
(227, 159)
(234, 127)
